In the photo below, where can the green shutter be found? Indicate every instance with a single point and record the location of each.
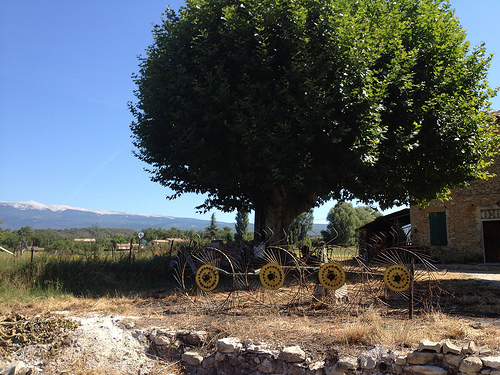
(437, 223)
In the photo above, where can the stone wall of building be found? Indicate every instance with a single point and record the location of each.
(465, 213)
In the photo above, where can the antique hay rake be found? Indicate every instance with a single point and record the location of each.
(327, 277)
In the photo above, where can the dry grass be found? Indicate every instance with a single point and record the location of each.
(468, 311)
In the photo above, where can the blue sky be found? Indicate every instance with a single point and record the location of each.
(65, 80)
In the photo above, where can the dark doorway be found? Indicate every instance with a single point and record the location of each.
(491, 237)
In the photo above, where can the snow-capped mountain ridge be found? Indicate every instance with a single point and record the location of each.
(32, 205)
(15, 215)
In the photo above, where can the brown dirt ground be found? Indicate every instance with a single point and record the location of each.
(466, 308)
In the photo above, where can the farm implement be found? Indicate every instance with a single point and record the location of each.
(328, 277)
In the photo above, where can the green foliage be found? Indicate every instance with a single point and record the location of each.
(241, 225)
(212, 229)
(343, 219)
(228, 235)
(106, 238)
(26, 233)
(297, 231)
(94, 275)
(296, 102)
(214, 233)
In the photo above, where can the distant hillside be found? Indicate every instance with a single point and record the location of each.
(15, 215)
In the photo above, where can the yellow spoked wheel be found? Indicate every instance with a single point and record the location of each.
(402, 278)
(269, 278)
(331, 276)
(272, 276)
(397, 278)
(207, 277)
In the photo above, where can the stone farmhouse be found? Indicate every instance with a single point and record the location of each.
(465, 228)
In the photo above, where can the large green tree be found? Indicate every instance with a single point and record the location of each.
(343, 220)
(241, 225)
(279, 105)
(297, 231)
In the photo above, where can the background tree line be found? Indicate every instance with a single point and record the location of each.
(342, 219)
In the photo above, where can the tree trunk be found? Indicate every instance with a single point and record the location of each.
(273, 218)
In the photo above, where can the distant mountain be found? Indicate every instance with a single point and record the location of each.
(15, 215)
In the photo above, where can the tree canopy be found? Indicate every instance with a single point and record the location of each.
(241, 225)
(279, 106)
(297, 231)
(343, 220)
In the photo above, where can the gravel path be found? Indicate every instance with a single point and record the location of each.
(485, 272)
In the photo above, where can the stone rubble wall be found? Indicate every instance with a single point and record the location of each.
(235, 357)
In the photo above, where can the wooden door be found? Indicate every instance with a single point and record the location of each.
(491, 237)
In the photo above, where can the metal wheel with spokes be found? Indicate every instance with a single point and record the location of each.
(207, 278)
(269, 278)
(402, 278)
(333, 277)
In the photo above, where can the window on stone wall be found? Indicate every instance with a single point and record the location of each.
(437, 223)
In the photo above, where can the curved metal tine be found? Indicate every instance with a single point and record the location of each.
(314, 293)
(273, 299)
(213, 300)
(182, 260)
(423, 276)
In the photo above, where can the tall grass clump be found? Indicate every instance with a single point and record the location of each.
(81, 275)
(18, 279)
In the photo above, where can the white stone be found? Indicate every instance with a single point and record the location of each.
(492, 362)
(367, 361)
(469, 348)
(450, 348)
(453, 360)
(335, 370)
(420, 358)
(15, 368)
(400, 360)
(229, 345)
(347, 363)
(425, 370)
(317, 366)
(485, 351)
(196, 338)
(470, 365)
(162, 337)
(192, 358)
(429, 345)
(163, 341)
(256, 347)
(293, 354)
